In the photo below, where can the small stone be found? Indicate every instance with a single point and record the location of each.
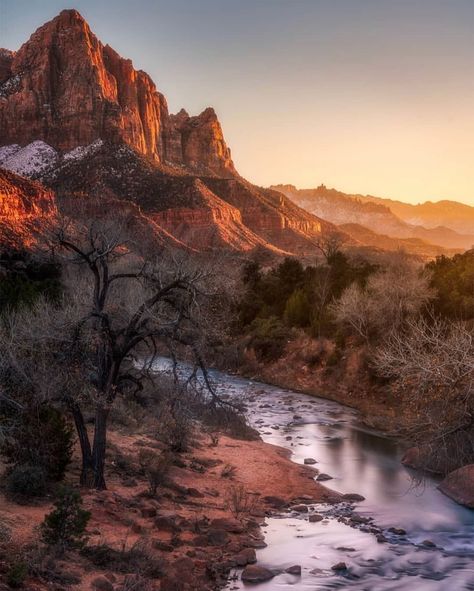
(163, 546)
(315, 517)
(398, 531)
(300, 508)
(148, 512)
(428, 544)
(322, 477)
(217, 537)
(246, 556)
(340, 566)
(275, 502)
(381, 539)
(194, 492)
(227, 524)
(354, 497)
(102, 584)
(310, 461)
(294, 570)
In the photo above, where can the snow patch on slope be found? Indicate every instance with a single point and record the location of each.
(39, 158)
(7, 151)
(31, 160)
(82, 151)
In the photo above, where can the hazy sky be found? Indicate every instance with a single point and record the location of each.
(369, 96)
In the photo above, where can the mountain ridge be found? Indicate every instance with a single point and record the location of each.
(375, 214)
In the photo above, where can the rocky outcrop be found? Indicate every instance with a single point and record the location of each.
(67, 89)
(198, 143)
(22, 204)
(6, 60)
(459, 486)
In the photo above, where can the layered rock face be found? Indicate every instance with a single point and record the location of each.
(65, 88)
(22, 203)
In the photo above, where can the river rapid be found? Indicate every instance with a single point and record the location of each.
(436, 552)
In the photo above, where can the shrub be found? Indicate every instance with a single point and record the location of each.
(139, 558)
(268, 338)
(27, 481)
(65, 526)
(17, 574)
(298, 309)
(155, 467)
(239, 501)
(174, 427)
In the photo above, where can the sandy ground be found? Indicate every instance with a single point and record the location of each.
(182, 525)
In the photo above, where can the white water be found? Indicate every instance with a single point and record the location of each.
(365, 462)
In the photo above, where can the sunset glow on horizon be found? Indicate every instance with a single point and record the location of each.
(366, 96)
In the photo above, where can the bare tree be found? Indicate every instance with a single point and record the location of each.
(432, 363)
(329, 244)
(119, 313)
(392, 295)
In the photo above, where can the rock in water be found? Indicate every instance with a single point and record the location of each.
(256, 574)
(459, 486)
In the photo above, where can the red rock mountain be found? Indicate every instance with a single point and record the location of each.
(64, 87)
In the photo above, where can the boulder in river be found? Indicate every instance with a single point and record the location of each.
(310, 461)
(459, 486)
(301, 508)
(315, 517)
(294, 570)
(256, 574)
(353, 497)
(398, 531)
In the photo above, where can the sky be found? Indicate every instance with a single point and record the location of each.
(368, 96)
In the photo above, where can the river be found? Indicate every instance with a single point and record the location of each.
(363, 461)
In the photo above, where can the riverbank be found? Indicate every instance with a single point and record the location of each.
(316, 367)
(203, 520)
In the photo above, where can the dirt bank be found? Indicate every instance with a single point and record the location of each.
(316, 367)
(203, 521)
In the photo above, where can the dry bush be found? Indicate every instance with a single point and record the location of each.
(228, 471)
(129, 414)
(214, 437)
(137, 582)
(175, 427)
(155, 467)
(139, 558)
(239, 501)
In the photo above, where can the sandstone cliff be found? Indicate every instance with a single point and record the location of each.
(22, 204)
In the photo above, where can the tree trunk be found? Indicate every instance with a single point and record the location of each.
(84, 441)
(98, 452)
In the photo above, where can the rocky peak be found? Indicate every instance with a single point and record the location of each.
(64, 87)
(198, 143)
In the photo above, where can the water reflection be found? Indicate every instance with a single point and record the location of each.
(366, 462)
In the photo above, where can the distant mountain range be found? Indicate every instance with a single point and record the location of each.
(447, 224)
